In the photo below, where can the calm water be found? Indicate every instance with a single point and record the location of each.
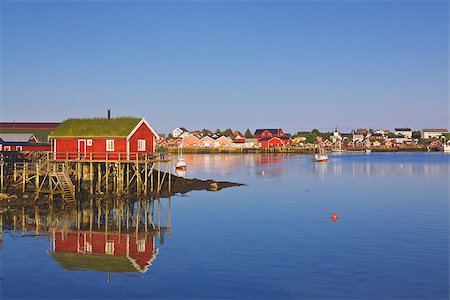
(272, 238)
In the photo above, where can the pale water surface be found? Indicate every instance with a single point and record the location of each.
(273, 237)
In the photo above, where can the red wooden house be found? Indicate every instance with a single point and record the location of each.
(21, 142)
(238, 137)
(98, 251)
(103, 138)
(268, 133)
(274, 142)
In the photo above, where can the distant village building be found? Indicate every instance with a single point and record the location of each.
(223, 141)
(406, 132)
(21, 142)
(41, 130)
(268, 133)
(190, 141)
(179, 131)
(357, 138)
(362, 131)
(433, 133)
(100, 138)
(238, 137)
(274, 142)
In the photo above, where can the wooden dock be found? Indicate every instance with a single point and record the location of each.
(66, 175)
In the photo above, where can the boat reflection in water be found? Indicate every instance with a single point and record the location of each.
(103, 235)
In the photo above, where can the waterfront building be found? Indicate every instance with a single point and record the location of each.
(406, 132)
(179, 131)
(223, 141)
(190, 141)
(238, 137)
(21, 142)
(41, 130)
(433, 133)
(100, 138)
(268, 133)
(274, 142)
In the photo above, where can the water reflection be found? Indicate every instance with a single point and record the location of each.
(114, 235)
(276, 165)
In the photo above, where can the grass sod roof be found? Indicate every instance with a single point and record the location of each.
(96, 127)
(100, 263)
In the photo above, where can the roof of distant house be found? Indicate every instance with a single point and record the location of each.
(435, 130)
(98, 127)
(273, 131)
(29, 125)
(16, 137)
(403, 129)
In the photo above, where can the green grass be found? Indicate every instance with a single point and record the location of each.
(41, 135)
(98, 127)
(100, 263)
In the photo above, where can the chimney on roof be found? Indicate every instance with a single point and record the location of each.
(109, 113)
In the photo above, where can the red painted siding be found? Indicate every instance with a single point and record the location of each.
(143, 133)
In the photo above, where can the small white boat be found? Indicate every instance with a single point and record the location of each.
(368, 150)
(181, 162)
(321, 157)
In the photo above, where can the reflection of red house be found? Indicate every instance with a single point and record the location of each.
(274, 142)
(101, 137)
(268, 133)
(120, 253)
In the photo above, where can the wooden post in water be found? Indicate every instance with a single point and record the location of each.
(159, 176)
(23, 177)
(37, 180)
(91, 175)
(99, 178)
(99, 212)
(23, 221)
(1, 175)
(170, 181)
(107, 175)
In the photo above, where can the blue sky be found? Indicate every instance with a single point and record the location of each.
(297, 65)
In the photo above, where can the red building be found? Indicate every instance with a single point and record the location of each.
(103, 138)
(274, 142)
(268, 133)
(238, 137)
(21, 142)
(112, 252)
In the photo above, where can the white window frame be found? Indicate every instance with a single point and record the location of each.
(109, 149)
(19, 148)
(6, 148)
(140, 246)
(89, 142)
(109, 248)
(140, 143)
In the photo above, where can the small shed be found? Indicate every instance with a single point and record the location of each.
(103, 138)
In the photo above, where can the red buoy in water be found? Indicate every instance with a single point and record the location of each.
(334, 217)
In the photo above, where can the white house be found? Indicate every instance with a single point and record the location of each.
(406, 132)
(179, 131)
(433, 133)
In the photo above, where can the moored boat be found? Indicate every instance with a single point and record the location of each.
(181, 162)
(321, 157)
